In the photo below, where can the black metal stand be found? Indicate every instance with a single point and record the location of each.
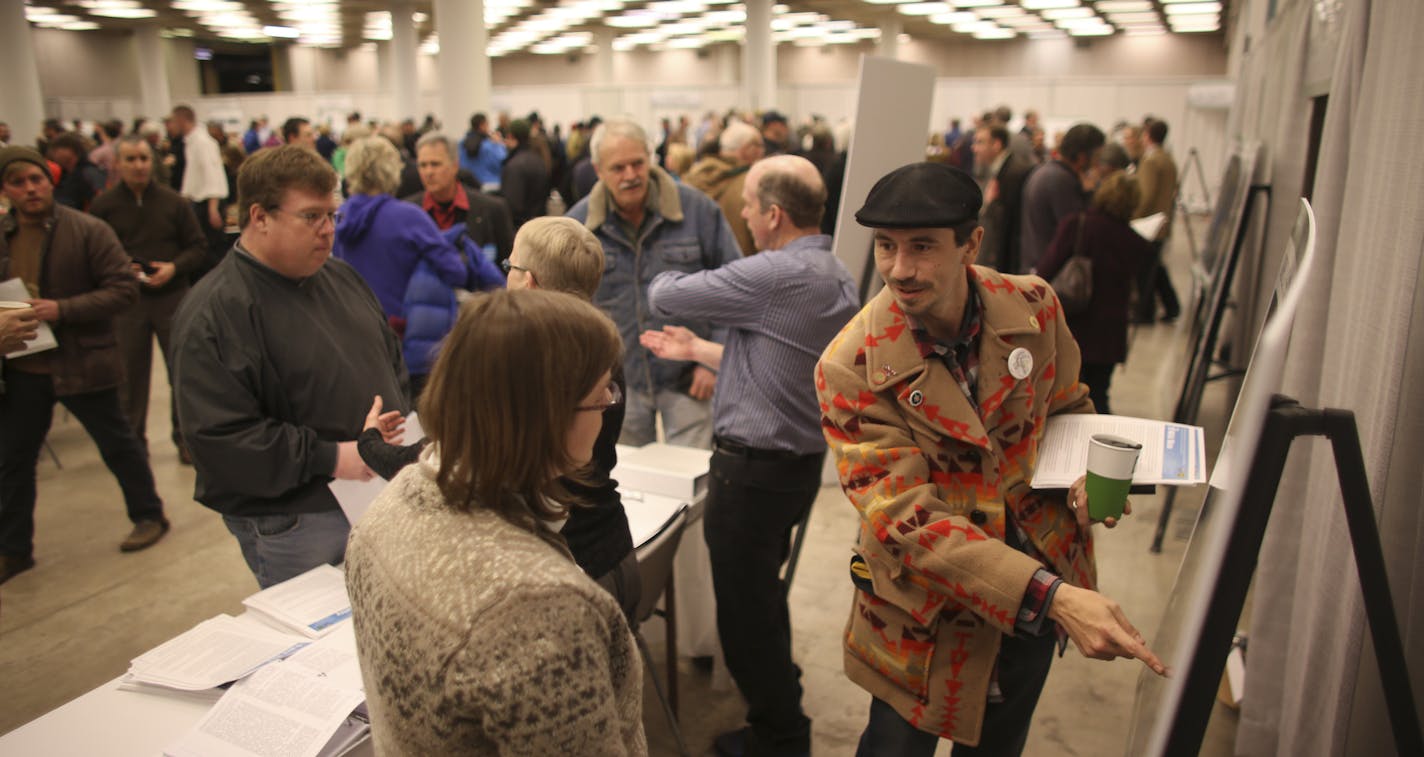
(1286, 422)
(1205, 339)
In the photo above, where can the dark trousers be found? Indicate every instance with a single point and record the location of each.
(1023, 667)
(1154, 284)
(752, 505)
(151, 316)
(219, 242)
(1098, 377)
(26, 409)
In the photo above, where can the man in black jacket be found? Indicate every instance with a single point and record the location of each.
(1003, 196)
(159, 231)
(276, 355)
(525, 179)
(449, 200)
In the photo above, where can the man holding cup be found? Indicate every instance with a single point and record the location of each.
(79, 278)
(933, 400)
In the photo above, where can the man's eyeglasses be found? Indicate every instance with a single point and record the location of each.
(313, 218)
(615, 397)
(508, 266)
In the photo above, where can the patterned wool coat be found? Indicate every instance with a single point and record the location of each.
(932, 481)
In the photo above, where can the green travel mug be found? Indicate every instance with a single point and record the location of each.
(1111, 461)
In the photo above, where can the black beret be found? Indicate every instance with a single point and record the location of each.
(921, 196)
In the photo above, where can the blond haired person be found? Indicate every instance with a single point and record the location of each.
(477, 632)
(556, 254)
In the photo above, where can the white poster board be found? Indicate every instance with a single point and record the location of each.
(892, 126)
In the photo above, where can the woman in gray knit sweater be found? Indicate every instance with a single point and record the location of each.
(477, 632)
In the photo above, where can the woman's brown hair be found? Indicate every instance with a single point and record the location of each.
(502, 397)
(1118, 196)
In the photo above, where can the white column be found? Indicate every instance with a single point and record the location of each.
(890, 29)
(759, 58)
(405, 94)
(301, 63)
(24, 105)
(155, 96)
(603, 38)
(463, 64)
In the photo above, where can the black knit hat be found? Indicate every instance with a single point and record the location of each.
(921, 196)
(15, 153)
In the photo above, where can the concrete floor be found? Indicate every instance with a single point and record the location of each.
(75, 620)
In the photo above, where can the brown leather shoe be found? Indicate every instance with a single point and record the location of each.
(11, 566)
(145, 533)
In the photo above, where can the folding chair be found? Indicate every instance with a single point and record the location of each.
(655, 569)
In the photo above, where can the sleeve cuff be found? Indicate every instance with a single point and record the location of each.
(1038, 597)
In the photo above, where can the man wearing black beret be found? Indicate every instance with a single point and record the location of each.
(933, 400)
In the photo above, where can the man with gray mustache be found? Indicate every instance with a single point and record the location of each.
(649, 223)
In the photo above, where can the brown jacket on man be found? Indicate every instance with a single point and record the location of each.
(85, 269)
(1157, 178)
(723, 181)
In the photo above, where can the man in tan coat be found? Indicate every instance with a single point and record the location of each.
(933, 400)
(723, 176)
(1157, 177)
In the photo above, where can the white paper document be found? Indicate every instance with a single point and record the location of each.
(1149, 226)
(279, 711)
(311, 604)
(217, 651)
(1172, 453)
(666, 469)
(14, 291)
(648, 514)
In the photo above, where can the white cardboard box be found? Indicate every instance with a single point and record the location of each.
(666, 469)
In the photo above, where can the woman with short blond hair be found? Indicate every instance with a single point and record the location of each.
(477, 632)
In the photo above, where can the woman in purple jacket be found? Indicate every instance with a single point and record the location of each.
(1118, 253)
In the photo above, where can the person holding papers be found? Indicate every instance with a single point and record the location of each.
(16, 328)
(476, 630)
(1118, 254)
(77, 278)
(276, 355)
(933, 400)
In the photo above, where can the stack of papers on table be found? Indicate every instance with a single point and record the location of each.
(1173, 454)
(648, 514)
(310, 604)
(217, 651)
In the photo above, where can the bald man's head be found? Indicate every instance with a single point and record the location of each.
(792, 183)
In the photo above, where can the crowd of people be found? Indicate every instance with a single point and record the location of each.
(309, 291)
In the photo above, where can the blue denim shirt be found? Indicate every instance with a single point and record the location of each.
(683, 231)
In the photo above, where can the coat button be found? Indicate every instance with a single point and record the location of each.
(979, 517)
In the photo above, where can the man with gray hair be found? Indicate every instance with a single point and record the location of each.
(450, 201)
(723, 176)
(649, 223)
(781, 308)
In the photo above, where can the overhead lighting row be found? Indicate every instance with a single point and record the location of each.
(1045, 19)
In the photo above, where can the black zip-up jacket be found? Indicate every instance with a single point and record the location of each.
(271, 373)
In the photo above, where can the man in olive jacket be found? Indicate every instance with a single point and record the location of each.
(78, 279)
(933, 401)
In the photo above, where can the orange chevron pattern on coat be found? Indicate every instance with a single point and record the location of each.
(933, 481)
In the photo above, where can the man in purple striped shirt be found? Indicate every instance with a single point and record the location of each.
(780, 308)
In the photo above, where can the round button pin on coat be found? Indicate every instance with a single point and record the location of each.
(1020, 363)
(917, 398)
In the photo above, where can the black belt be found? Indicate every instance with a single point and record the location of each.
(737, 449)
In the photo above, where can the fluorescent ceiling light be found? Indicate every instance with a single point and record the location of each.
(1000, 11)
(1118, 6)
(1038, 5)
(79, 26)
(889, 2)
(1193, 20)
(1025, 22)
(281, 32)
(632, 21)
(978, 3)
(49, 16)
(1080, 23)
(1054, 34)
(123, 12)
(1091, 31)
(207, 6)
(923, 9)
(687, 43)
(1133, 18)
(1055, 14)
(1191, 9)
(994, 34)
(970, 27)
(958, 17)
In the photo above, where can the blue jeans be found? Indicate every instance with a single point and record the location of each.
(1023, 667)
(279, 547)
(687, 422)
